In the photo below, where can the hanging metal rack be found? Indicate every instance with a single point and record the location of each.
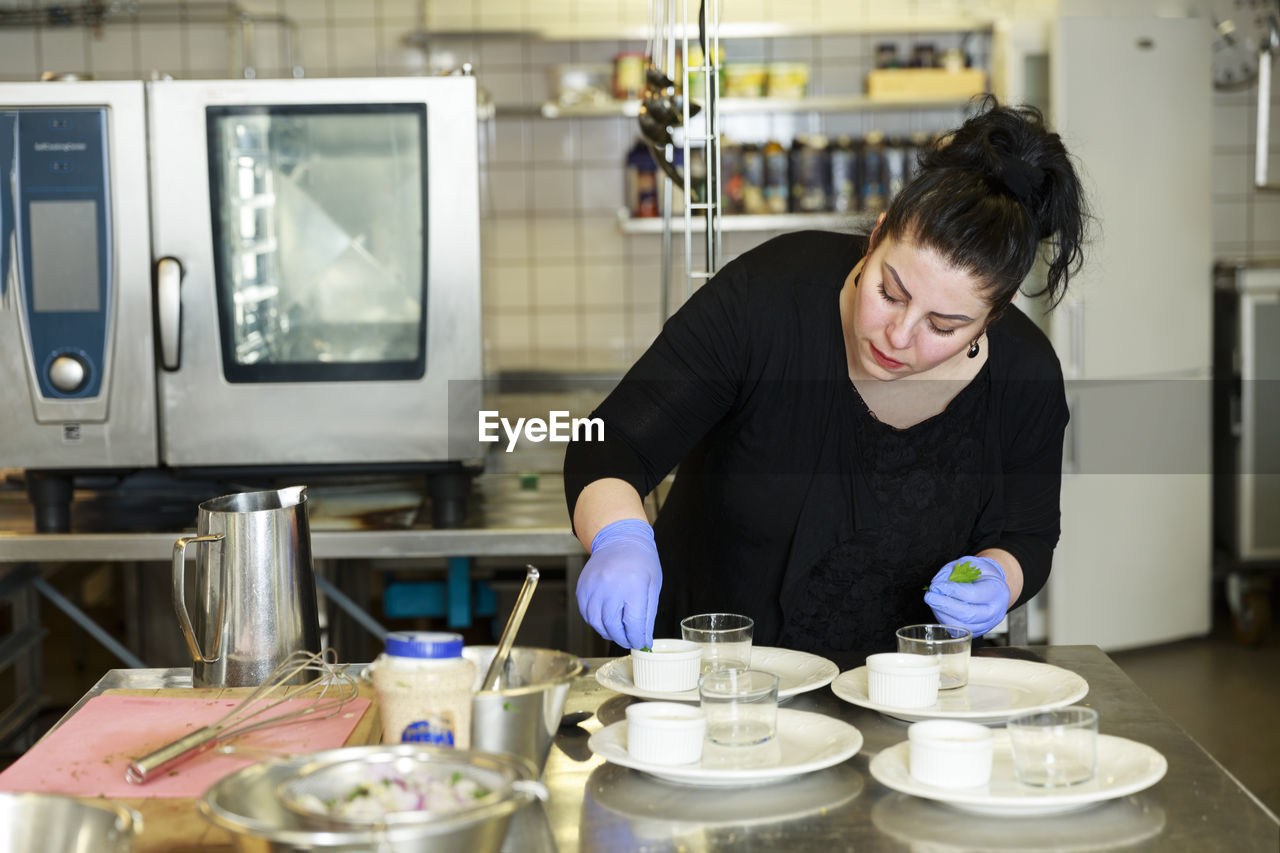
(707, 140)
(699, 142)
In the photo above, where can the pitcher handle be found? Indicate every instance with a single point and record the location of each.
(180, 599)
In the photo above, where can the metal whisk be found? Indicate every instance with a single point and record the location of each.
(329, 691)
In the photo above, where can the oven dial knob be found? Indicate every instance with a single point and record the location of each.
(68, 373)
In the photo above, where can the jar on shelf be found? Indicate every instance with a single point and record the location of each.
(745, 79)
(697, 78)
(887, 55)
(424, 687)
(628, 75)
(641, 182)
(924, 55)
(787, 80)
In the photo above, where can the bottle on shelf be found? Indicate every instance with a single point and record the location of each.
(641, 182)
(844, 176)
(895, 168)
(698, 175)
(731, 178)
(810, 175)
(871, 173)
(776, 178)
(753, 180)
(916, 143)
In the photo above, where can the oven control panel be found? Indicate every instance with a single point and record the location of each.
(64, 259)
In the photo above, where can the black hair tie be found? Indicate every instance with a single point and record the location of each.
(1021, 179)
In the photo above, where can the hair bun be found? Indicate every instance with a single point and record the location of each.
(1020, 178)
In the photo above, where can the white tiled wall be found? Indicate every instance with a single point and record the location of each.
(563, 287)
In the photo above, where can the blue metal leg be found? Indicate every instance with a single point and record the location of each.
(352, 609)
(459, 584)
(92, 628)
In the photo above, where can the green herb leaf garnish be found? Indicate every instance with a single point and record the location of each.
(966, 572)
(645, 649)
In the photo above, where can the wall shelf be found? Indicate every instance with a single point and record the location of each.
(742, 222)
(851, 25)
(750, 106)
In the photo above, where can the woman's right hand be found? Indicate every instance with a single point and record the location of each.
(618, 589)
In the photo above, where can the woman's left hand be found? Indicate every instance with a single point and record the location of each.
(979, 605)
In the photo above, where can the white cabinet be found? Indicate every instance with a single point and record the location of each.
(1132, 101)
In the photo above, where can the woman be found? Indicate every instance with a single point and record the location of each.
(852, 419)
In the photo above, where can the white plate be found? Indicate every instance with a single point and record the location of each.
(924, 825)
(1124, 767)
(798, 672)
(997, 690)
(805, 742)
(674, 810)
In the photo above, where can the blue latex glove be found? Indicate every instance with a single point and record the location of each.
(978, 606)
(618, 588)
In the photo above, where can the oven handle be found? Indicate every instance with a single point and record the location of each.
(169, 312)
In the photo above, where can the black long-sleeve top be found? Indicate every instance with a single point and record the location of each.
(791, 504)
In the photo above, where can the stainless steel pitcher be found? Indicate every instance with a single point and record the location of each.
(255, 587)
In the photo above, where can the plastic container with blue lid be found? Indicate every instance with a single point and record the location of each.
(424, 687)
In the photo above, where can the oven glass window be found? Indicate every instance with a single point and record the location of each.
(319, 219)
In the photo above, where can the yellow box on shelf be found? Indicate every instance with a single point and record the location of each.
(925, 82)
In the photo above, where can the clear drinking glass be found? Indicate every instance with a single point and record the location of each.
(741, 706)
(1055, 748)
(949, 643)
(725, 639)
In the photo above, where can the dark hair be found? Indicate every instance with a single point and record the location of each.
(988, 194)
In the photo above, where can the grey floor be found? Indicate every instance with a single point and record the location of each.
(1225, 695)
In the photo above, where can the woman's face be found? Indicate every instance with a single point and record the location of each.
(912, 311)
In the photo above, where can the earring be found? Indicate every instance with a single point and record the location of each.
(973, 349)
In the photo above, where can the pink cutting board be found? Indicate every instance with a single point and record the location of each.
(87, 755)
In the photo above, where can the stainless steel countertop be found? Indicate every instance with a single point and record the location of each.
(595, 806)
(361, 521)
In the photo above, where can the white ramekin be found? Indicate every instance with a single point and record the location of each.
(671, 667)
(903, 680)
(665, 732)
(950, 753)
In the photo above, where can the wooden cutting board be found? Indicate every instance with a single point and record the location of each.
(176, 824)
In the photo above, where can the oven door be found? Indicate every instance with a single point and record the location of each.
(317, 269)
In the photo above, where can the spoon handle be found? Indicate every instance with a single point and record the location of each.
(493, 677)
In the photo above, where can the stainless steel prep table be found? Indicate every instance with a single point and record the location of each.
(596, 806)
(509, 521)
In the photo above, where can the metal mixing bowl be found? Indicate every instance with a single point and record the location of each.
(522, 716)
(37, 823)
(247, 805)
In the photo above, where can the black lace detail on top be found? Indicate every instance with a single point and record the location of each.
(919, 496)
